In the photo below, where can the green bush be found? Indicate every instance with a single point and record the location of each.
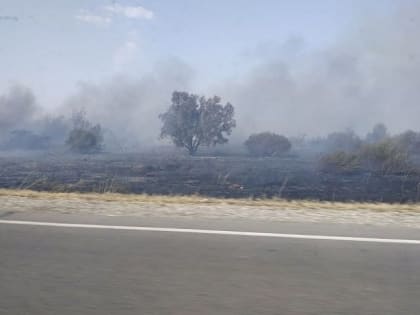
(267, 144)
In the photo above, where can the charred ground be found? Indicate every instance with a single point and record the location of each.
(288, 177)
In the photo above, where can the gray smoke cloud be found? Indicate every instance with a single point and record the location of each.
(18, 107)
(25, 125)
(369, 75)
(128, 108)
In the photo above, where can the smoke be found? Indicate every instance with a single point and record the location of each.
(371, 74)
(128, 107)
(18, 106)
(25, 125)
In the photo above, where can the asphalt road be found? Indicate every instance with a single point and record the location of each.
(65, 270)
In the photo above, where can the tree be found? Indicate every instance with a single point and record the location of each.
(192, 121)
(267, 144)
(84, 138)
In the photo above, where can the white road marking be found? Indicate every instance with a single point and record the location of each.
(215, 232)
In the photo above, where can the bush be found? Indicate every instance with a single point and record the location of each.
(85, 140)
(340, 162)
(386, 157)
(267, 144)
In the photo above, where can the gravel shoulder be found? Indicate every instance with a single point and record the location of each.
(399, 215)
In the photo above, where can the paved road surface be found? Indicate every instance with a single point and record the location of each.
(65, 270)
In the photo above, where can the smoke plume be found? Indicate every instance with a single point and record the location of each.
(129, 107)
(17, 107)
(370, 74)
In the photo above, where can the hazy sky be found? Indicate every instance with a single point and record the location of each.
(292, 67)
(50, 45)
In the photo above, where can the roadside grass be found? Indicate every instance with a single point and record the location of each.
(169, 200)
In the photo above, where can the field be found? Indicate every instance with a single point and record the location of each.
(289, 178)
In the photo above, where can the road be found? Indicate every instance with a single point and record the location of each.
(81, 270)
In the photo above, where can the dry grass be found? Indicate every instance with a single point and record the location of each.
(206, 201)
(193, 207)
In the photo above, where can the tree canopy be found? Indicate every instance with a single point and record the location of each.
(192, 121)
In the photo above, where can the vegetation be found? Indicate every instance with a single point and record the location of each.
(267, 144)
(386, 157)
(340, 162)
(192, 121)
(141, 203)
(84, 138)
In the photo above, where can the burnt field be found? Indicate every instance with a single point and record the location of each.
(233, 177)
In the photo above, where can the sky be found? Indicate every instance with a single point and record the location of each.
(53, 44)
(292, 67)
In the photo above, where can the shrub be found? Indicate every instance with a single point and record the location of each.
(85, 140)
(340, 162)
(267, 144)
(386, 157)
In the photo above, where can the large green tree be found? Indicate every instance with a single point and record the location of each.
(192, 121)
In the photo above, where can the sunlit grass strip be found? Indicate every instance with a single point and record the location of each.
(167, 200)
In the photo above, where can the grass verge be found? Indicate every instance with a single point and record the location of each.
(202, 200)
